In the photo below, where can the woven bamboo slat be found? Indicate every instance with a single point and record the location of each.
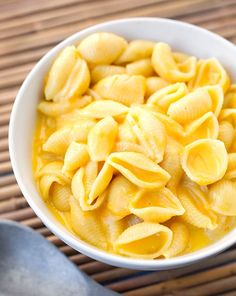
(4, 155)
(28, 29)
(8, 179)
(5, 167)
(10, 190)
(7, 97)
(12, 204)
(34, 222)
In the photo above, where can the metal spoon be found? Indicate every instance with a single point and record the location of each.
(32, 266)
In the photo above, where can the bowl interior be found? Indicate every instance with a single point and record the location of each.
(182, 37)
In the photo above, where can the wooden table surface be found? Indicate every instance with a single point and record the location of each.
(28, 29)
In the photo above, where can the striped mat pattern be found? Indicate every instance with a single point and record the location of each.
(28, 29)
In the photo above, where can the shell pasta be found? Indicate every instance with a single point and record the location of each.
(135, 146)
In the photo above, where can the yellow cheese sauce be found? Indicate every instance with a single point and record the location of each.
(199, 238)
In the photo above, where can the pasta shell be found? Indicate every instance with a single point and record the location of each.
(228, 115)
(170, 69)
(83, 183)
(75, 157)
(48, 175)
(205, 161)
(136, 50)
(172, 163)
(144, 240)
(151, 108)
(101, 71)
(180, 239)
(217, 97)
(68, 77)
(81, 129)
(168, 95)
(173, 128)
(231, 169)
(120, 192)
(55, 109)
(101, 182)
(58, 141)
(230, 97)
(79, 191)
(225, 224)
(60, 71)
(205, 127)
(101, 138)
(125, 133)
(45, 183)
(60, 197)
(222, 197)
(190, 107)
(197, 209)
(210, 72)
(75, 118)
(102, 108)
(139, 169)
(102, 48)
(149, 131)
(122, 88)
(180, 57)
(77, 82)
(154, 84)
(140, 67)
(156, 206)
(128, 146)
(90, 175)
(53, 168)
(113, 228)
(87, 225)
(188, 183)
(226, 133)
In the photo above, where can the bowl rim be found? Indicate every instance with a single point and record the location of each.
(76, 243)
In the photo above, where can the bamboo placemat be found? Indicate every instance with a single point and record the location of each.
(28, 29)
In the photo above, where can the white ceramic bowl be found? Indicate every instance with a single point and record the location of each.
(182, 37)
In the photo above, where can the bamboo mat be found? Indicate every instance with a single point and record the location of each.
(28, 29)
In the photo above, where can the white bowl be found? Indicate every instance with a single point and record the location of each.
(182, 37)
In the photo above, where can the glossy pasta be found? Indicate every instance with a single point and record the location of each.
(135, 146)
(149, 131)
(123, 88)
(180, 239)
(69, 76)
(156, 206)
